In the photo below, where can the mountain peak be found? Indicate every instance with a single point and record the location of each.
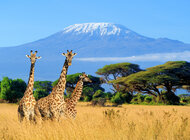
(101, 29)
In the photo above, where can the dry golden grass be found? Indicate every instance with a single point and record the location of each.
(131, 122)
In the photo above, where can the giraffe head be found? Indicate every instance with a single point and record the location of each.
(33, 56)
(85, 77)
(69, 56)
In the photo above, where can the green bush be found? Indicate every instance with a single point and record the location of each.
(185, 98)
(138, 98)
(87, 98)
(108, 95)
(148, 99)
(98, 94)
(120, 98)
(117, 99)
(12, 90)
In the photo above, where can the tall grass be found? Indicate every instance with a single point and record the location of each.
(129, 122)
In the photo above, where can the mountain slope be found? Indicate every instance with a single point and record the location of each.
(88, 40)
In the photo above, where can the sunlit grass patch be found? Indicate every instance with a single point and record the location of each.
(133, 122)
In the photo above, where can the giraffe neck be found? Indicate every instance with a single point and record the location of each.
(75, 96)
(60, 87)
(30, 86)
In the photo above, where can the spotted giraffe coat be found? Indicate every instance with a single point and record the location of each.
(70, 110)
(50, 107)
(27, 103)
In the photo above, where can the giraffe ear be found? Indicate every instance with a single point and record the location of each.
(39, 57)
(74, 54)
(63, 54)
(28, 56)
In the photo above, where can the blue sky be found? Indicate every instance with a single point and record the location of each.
(24, 21)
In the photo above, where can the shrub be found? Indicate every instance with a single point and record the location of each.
(98, 102)
(138, 98)
(117, 99)
(184, 98)
(108, 95)
(12, 90)
(87, 98)
(98, 93)
(148, 99)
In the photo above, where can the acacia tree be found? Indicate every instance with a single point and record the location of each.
(115, 71)
(167, 77)
(88, 88)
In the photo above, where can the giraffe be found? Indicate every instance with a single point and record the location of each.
(50, 107)
(27, 103)
(70, 110)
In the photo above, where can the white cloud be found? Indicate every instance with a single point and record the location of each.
(155, 57)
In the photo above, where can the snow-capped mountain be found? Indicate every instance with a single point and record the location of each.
(101, 29)
(88, 40)
(94, 28)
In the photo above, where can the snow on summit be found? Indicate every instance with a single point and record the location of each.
(98, 29)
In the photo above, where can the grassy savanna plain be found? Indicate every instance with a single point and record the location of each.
(128, 122)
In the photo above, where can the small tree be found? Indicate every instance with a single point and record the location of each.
(5, 88)
(18, 88)
(12, 90)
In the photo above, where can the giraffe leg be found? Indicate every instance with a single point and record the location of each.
(55, 116)
(74, 113)
(27, 116)
(20, 116)
(37, 115)
(32, 114)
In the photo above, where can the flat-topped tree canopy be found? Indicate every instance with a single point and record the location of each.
(168, 77)
(114, 71)
(180, 69)
(122, 69)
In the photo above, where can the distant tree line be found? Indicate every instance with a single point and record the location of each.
(13, 90)
(130, 84)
